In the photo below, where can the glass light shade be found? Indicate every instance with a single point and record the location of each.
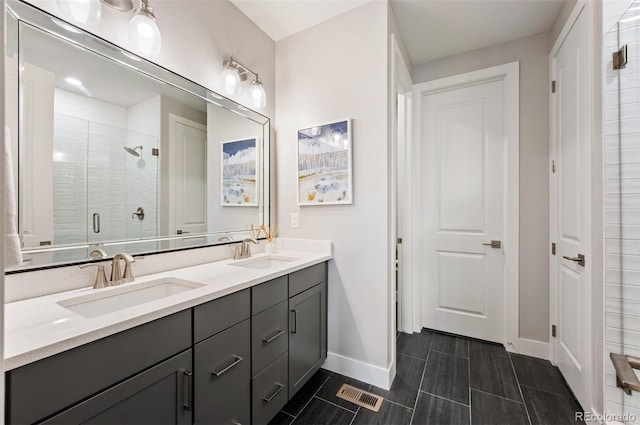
(258, 95)
(144, 34)
(85, 12)
(231, 81)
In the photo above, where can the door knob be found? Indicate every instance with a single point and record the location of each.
(579, 259)
(494, 244)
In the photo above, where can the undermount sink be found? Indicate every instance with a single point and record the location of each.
(266, 262)
(128, 295)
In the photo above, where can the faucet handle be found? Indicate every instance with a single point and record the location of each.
(101, 277)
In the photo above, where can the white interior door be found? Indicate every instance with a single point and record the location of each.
(189, 159)
(463, 141)
(572, 207)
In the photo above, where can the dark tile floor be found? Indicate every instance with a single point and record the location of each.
(444, 379)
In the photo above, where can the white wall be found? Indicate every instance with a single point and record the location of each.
(532, 52)
(334, 70)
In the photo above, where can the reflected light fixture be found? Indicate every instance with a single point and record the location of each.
(232, 76)
(144, 33)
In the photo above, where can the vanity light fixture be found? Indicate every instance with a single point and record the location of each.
(144, 33)
(232, 76)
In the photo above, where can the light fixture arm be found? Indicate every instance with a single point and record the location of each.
(243, 71)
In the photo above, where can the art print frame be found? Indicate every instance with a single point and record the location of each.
(324, 161)
(239, 172)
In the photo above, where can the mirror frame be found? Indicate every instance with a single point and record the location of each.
(55, 26)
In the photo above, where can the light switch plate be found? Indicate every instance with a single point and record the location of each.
(295, 220)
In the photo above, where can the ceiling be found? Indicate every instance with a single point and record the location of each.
(432, 29)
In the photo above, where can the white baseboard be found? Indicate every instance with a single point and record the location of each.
(532, 348)
(365, 372)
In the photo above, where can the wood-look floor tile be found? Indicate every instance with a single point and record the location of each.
(308, 390)
(415, 345)
(487, 409)
(404, 389)
(389, 414)
(450, 344)
(493, 374)
(447, 376)
(432, 410)
(281, 418)
(540, 374)
(320, 412)
(487, 347)
(549, 408)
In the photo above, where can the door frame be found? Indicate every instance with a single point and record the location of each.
(510, 74)
(173, 120)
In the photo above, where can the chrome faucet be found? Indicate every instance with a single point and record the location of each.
(245, 249)
(236, 247)
(117, 277)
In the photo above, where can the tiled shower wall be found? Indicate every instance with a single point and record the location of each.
(622, 200)
(94, 174)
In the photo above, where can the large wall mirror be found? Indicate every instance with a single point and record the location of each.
(112, 151)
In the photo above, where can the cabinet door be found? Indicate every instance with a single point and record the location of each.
(160, 395)
(307, 335)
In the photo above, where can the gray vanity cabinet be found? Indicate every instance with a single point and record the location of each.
(161, 395)
(308, 324)
(222, 360)
(41, 389)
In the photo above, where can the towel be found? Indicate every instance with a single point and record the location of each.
(12, 250)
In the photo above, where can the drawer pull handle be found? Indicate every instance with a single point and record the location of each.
(273, 338)
(187, 404)
(237, 361)
(280, 388)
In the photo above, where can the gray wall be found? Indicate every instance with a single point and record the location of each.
(532, 52)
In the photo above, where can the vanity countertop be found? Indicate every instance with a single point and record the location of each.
(39, 327)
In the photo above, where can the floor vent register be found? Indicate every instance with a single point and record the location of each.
(359, 397)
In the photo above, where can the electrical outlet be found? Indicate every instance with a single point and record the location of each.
(295, 220)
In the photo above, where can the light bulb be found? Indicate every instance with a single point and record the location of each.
(258, 95)
(85, 12)
(144, 34)
(231, 81)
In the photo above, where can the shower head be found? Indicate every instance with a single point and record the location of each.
(132, 151)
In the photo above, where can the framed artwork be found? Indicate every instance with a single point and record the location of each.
(239, 173)
(324, 164)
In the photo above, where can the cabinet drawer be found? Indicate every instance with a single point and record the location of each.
(160, 395)
(270, 392)
(307, 278)
(268, 294)
(222, 364)
(233, 410)
(61, 380)
(220, 314)
(269, 336)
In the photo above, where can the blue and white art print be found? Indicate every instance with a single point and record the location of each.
(324, 164)
(239, 173)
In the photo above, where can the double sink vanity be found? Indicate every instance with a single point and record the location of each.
(228, 342)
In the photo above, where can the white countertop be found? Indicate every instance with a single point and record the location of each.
(39, 327)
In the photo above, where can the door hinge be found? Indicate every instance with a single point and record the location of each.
(553, 166)
(553, 248)
(155, 151)
(620, 58)
(399, 241)
(553, 331)
(553, 86)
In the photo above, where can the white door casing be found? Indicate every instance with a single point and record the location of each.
(188, 176)
(467, 143)
(571, 203)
